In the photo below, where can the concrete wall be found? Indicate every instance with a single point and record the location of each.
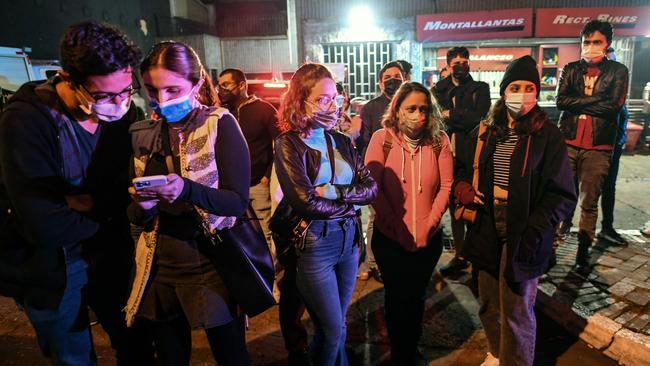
(259, 54)
(206, 46)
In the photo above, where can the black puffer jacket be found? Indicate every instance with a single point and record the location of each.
(297, 166)
(603, 105)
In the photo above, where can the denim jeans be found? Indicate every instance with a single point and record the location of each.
(326, 275)
(63, 334)
(609, 189)
(507, 309)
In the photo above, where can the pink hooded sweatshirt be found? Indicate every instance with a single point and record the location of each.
(414, 188)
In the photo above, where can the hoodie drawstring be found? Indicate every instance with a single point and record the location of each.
(420, 173)
(403, 163)
(523, 170)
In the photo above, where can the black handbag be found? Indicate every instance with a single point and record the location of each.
(242, 257)
(288, 229)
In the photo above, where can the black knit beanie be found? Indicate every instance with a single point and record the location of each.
(523, 68)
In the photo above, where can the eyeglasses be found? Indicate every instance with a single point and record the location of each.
(324, 102)
(104, 98)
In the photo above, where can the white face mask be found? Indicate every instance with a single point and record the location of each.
(592, 54)
(110, 112)
(521, 103)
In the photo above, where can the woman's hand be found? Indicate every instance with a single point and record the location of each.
(168, 192)
(146, 200)
(478, 198)
(326, 191)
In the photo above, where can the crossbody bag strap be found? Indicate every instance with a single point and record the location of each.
(477, 155)
(167, 149)
(330, 156)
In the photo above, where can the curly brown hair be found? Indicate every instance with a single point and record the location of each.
(434, 126)
(292, 115)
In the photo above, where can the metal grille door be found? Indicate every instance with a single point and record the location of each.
(363, 62)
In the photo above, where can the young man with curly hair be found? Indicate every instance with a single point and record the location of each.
(64, 158)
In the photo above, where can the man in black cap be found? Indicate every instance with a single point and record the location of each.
(464, 103)
(590, 94)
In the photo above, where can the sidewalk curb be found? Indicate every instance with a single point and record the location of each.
(617, 342)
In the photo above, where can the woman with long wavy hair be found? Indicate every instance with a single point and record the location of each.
(323, 180)
(410, 158)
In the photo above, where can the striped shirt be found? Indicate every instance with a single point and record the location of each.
(502, 156)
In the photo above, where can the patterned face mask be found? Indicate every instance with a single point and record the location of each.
(319, 118)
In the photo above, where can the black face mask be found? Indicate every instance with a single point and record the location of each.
(227, 96)
(460, 71)
(391, 86)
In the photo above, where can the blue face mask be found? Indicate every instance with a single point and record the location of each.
(173, 110)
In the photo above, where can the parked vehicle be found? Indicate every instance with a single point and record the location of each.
(45, 69)
(15, 68)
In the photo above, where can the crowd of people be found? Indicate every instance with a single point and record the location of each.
(71, 148)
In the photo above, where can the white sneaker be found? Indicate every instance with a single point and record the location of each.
(490, 360)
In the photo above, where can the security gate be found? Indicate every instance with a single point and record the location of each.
(363, 62)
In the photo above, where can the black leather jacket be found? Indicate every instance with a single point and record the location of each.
(297, 167)
(603, 105)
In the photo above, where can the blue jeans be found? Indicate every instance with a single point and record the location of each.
(63, 334)
(326, 275)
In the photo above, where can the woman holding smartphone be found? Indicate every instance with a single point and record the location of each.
(202, 152)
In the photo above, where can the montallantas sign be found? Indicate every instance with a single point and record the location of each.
(513, 23)
(568, 22)
(497, 25)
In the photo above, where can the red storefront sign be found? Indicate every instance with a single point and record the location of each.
(568, 22)
(492, 59)
(512, 23)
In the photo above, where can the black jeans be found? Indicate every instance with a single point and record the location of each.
(609, 189)
(406, 276)
(173, 340)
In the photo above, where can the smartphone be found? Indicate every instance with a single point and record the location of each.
(149, 181)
